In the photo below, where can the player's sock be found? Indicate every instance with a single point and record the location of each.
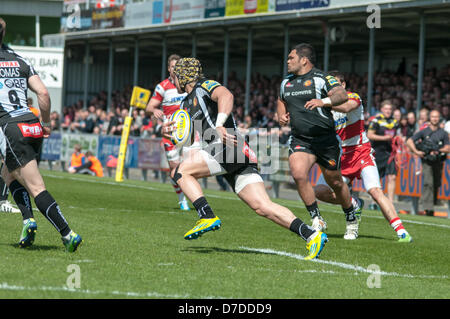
(4, 190)
(22, 199)
(355, 203)
(178, 191)
(397, 225)
(349, 213)
(313, 210)
(203, 208)
(50, 209)
(302, 229)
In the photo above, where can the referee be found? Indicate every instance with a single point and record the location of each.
(21, 137)
(305, 101)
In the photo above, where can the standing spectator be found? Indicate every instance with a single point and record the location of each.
(381, 131)
(411, 124)
(423, 118)
(430, 144)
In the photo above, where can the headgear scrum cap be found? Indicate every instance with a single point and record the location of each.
(187, 70)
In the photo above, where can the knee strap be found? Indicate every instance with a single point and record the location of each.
(176, 175)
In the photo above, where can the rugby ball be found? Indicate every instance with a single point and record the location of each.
(183, 125)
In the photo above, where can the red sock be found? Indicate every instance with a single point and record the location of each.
(397, 225)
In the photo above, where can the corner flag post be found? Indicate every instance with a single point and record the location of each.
(139, 99)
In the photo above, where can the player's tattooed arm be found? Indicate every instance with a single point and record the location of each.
(337, 95)
(346, 107)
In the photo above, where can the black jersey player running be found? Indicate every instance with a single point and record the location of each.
(305, 101)
(21, 136)
(226, 152)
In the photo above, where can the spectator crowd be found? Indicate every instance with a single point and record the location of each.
(399, 87)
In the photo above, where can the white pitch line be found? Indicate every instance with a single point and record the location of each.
(151, 294)
(340, 264)
(229, 198)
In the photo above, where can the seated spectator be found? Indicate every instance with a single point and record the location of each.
(92, 166)
(78, 158)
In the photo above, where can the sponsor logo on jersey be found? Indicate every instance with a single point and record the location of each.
(289, 84)
(295, 93)
(340, 121)
(209, 85)
(249, 153)
(9, 64)
(354, 96)
(18, 83)
(31, 130)
(331, 80)
(307, 83)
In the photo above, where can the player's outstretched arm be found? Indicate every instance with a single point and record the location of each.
(153, 108)
(346, 107)
(336, 96)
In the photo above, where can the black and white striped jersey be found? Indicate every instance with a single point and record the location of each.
(203, 111)
(296, 90)
(14, 74)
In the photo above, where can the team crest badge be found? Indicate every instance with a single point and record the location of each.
(307, 83)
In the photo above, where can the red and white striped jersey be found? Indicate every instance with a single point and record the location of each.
(350, 126)
(167, 94)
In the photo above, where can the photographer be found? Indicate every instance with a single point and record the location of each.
(431, 145)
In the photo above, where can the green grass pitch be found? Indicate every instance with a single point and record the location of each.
(134, 248)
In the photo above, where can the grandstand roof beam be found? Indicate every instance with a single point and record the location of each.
(226, 57)
(110, 75)
(421, 62)
(370, 67)
(136, 62)
(285, 48)
(248, 69)
(86, 74)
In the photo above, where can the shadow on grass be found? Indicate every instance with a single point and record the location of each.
(34, 247)
(341, 236)
(207, 250)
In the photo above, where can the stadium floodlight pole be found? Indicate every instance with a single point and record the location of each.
(226, 57)
(326, 48)
(286, 49)
(87, 50)
(421, 63)
(136, 62)
(164, 57)
(110, 74)
(370, 70)
(249, 70)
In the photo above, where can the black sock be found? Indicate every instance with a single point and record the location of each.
(22, 199)
(300, 228)
(3, 190)
(203, 208)
(50, 209)
(349, 214)
(313, 209)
